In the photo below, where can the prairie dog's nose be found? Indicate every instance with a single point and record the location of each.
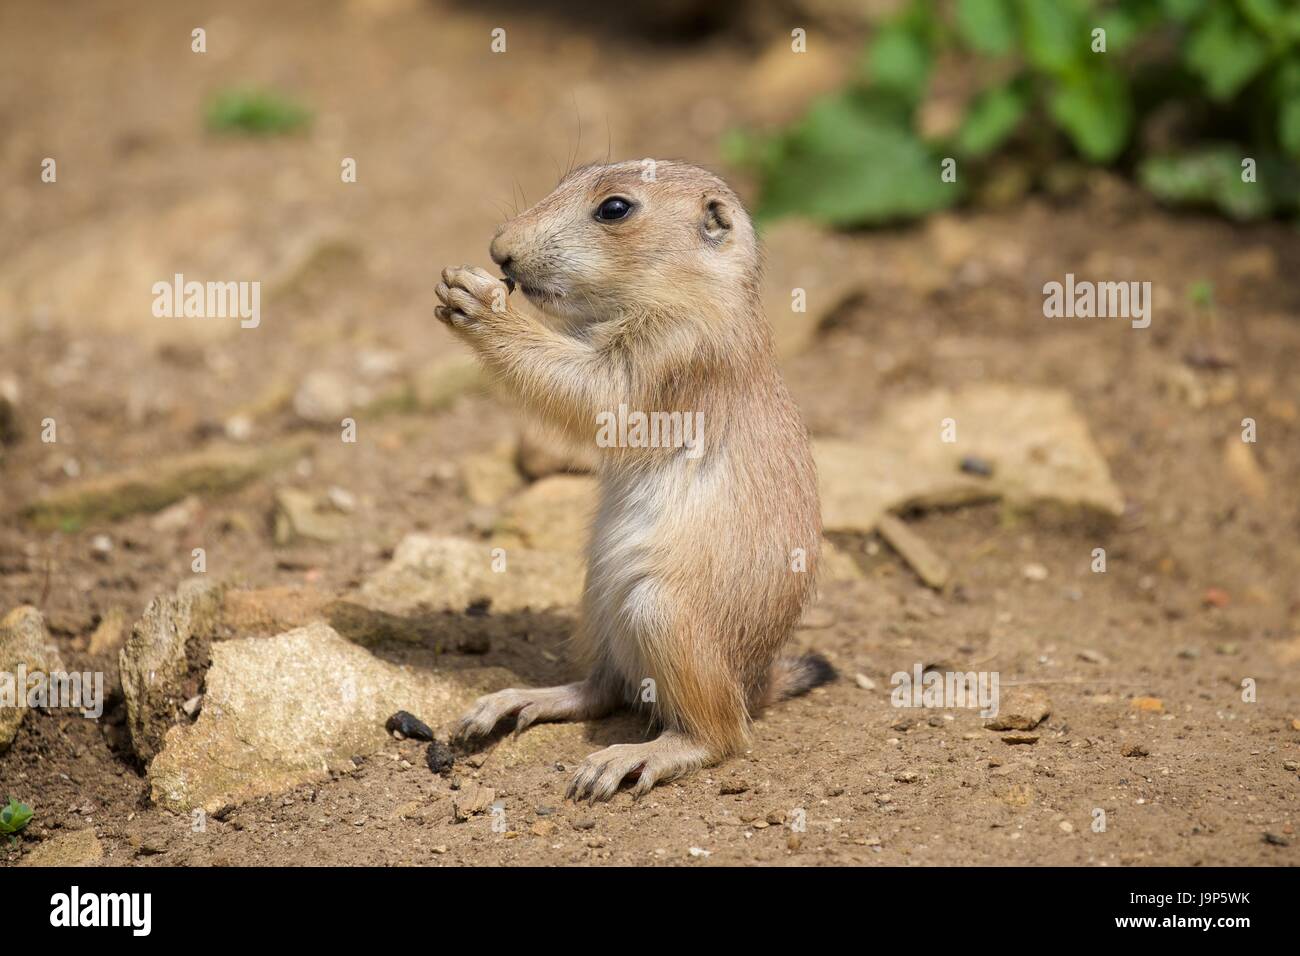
(500, 252)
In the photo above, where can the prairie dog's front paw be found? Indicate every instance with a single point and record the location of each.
(471, 298)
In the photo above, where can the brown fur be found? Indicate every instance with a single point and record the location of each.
(694, 575)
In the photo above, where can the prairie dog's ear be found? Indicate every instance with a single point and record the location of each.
(717, 220)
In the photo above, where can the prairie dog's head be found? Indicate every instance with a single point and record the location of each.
(632, 236)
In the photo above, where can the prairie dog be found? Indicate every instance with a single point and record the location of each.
(702, 553)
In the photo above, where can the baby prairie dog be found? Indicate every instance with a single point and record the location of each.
(704, 547)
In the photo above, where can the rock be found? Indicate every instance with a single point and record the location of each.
(932, 569)
(1042, 455)
(299, 515)
(1244, 468)
(272, 610)
(177, 517)
(285, 710)
(75, 848)
(101, 547)
(154, 486)
(1148, 705)
(553, 514)
(1034, 572)
(1135, 750)
(827, 266)
(326, 398)
(153, 662)
(488, 477)
(907, 776)
(1020, 739)
(864, 682)
(471, 799)
(836, 564)
(436, 386)
(108, 636)
(24, 643)
(442, 573)
(1021, 709)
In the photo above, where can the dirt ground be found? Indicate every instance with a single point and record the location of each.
(1200, 590)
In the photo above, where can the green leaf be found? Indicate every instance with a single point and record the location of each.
(899, 60)
(1182, 10)
(1264, 15)
(1122, 28)
(14, 817)
(1286, 80)
(987, 26)
(1056, 35)
(257, 112)
(1209, 177)
(993, 116)
(1225, 53)
(1096, 112)
(1288, 127)
(853, 161)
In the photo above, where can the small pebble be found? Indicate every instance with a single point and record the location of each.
(1034, 572)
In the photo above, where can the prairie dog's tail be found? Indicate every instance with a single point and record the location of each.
(791, 676)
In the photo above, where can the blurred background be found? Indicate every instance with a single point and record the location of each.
(1113, 155)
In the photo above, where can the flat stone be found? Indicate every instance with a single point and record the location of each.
(24, 642)
(471, 799)
(1020, 709)
(930, 567)
(553, 514)
(153, 662)
(272, 610)
(285, 710)
(300, 515)
(1042, 455)
(444, 573)
(488, 477)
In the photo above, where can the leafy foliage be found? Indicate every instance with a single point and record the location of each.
(14, 817)
(1088, 77)
(255, 112)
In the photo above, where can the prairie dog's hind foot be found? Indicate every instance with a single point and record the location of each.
(579, 701)
(668, 756)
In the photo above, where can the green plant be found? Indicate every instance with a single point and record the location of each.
(14, 817)
(1068, 76)
(256, 112)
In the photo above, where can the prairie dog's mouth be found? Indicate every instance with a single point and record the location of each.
(540, 295)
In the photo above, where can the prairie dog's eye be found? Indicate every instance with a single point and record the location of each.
(613, 208)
